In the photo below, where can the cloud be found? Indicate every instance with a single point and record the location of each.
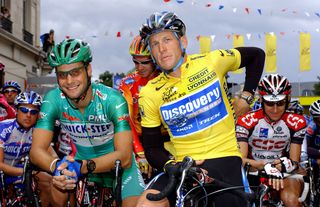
(98, 21)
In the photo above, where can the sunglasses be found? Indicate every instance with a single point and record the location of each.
(26, 110)
(10, 91)
(272, 103)
(145, 62)
(73, 73)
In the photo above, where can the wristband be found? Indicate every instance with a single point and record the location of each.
(51, 165)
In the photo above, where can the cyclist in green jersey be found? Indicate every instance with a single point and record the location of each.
(95, 117)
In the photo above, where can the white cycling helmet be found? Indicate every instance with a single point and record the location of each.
(315, 109)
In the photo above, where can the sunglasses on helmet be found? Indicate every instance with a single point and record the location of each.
(26, 110)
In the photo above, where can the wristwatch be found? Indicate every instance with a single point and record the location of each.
(91, 166)
(247, 98)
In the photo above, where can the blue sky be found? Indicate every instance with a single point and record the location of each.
(98, 21)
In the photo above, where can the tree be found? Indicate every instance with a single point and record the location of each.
(317, 88)
(106, 78)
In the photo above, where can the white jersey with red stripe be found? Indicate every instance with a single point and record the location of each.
(270, 140)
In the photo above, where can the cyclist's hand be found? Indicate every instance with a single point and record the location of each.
(287, 165)
(144, 166)
(240, 106)
(68, 167)
(274, 175)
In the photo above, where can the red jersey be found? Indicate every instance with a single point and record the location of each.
(130, 87)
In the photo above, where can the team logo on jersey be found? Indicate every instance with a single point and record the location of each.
(129, 81)
(195, 112)
(70, 118)
(101, 95)
(263, 133)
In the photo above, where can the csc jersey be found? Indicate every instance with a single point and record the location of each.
(15, 141)
(270, 140)
(195, 108)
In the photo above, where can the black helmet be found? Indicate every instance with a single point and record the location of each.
(158, 22)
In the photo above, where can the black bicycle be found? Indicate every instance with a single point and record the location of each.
(19, 191)
(91, 195)
(192, 190)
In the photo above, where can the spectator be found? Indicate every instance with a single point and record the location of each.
(47, 41)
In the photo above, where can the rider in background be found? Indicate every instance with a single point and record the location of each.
(130, 87)
(6, 111)
(10, 90)
(16, 138)
(190, 99)
(313, 137)
(297, 108)
(270, 138)
(95, 117)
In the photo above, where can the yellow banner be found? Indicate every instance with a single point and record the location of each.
(271, 56)
(238, 41)
(205, 44)
(305, 59)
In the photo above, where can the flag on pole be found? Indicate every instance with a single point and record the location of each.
(271, 57)
(238, 41)
(305, 59)
(205, 44)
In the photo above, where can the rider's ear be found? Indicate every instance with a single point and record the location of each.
(289, 98)
(184, 41)
(89, 70)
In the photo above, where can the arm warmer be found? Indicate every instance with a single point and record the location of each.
(253, 59)
(154, 150)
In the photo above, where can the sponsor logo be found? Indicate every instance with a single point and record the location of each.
(194, 112)
(102, 96)
(118, 106)
(158, 88)
(70, 118)
(263, 133)
(269, 144)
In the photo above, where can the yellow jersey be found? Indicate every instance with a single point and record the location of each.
(195, 108)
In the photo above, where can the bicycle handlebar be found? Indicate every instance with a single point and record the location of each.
(186, 169)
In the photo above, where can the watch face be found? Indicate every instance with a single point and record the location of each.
(91, 165)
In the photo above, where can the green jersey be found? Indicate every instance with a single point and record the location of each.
(93, 131)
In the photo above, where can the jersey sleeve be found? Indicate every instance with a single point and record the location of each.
(226, 60)
(5, 129)
(119, 112)
(244, 126)
(297, 125)
(149, 111)
(49, 111)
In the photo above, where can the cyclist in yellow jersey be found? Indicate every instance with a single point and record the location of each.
(190, 99)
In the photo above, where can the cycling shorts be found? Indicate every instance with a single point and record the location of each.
(132, 181)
